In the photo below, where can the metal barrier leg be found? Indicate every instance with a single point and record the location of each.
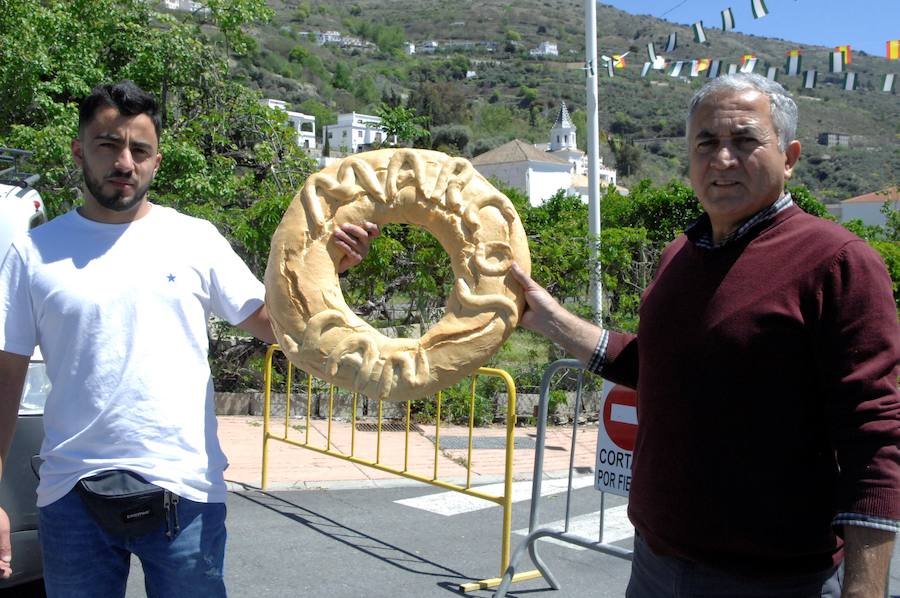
(535, 533)
(537, 478)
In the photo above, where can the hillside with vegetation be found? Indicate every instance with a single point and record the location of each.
(513, 94)
(233, 161)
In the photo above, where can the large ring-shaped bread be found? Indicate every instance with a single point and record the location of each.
(477, 226)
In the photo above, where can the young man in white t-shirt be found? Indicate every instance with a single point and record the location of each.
(117, 294)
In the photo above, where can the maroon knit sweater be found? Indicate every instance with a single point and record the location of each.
(766, 373)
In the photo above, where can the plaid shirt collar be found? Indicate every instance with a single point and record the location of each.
(700, 231)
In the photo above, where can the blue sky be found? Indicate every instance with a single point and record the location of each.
(864, 24)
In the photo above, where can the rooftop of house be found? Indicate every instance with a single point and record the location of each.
(889, 194)
(516, 151)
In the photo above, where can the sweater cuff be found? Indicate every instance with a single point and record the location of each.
(886, 525)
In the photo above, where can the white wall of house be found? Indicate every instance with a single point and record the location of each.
(514, 174)
(304, 125)
(869, 212)
(538, 180)
(545, 180)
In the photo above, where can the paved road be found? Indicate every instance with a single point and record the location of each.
(350, 543)
(407, 540)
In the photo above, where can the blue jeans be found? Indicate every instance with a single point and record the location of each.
(81, 560)
(656, 576)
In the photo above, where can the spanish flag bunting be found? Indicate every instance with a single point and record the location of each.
(793, 65)
(699, 34)
(893, 49)
(845, 50)
(759, 8)
(698, 66)
(727, 20)
(746, 58)
(618, 61)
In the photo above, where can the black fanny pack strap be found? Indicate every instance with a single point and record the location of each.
(125, 504)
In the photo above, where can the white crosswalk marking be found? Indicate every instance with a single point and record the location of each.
(455, 503)
(616, 527)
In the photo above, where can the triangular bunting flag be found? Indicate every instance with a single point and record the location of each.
(676, 70)
(727, 20)
(646, 69)
(792, 66)
(713, 71)
(732, 69)
(835, 62)
(699, 34)
(759, 8)
(772, 73)
(651, 52)
(672, 42)
(893, 49)
(850, 81)
(845, 50)
(809, 79)
(887, 85)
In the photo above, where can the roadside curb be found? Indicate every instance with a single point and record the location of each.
(369, 483)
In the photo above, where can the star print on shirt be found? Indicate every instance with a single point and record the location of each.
(171, 277)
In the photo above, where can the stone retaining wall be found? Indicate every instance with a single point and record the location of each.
(251, 403)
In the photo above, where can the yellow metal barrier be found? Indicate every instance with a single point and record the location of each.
(504, 500)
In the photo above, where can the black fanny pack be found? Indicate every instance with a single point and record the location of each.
(125, 504)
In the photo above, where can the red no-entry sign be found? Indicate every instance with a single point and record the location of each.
(620, 417)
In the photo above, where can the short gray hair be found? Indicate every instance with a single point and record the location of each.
(784, 110)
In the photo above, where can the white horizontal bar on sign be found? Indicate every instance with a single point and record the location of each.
(626, 414)
(455, 503)
(616, 527)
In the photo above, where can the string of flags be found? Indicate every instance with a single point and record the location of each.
(838, 59)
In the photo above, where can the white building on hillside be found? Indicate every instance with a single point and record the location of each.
(328, 37)
(184, 5)
(545, 49)
(541, 170)
(303, 124)
(355, 132)
(537, 174)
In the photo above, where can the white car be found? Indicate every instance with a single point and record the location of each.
(21, 209)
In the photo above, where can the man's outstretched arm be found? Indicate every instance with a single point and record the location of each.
(13, 368)
(544, 315)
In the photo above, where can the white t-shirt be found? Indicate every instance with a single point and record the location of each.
(120, 314)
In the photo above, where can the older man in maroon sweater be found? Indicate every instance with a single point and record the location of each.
(766, 364)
